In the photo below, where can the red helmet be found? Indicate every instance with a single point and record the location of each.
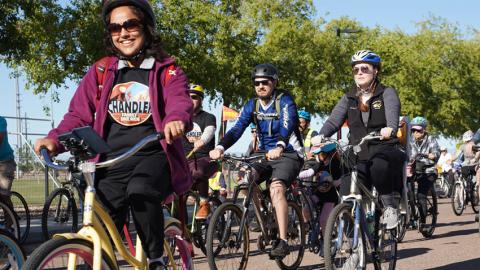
(144, 5)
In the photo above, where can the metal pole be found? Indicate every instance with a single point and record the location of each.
(19, 122)
(46, 182)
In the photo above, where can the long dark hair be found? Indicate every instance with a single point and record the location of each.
(153, 44)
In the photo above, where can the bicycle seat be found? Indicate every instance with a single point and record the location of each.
(84, 143)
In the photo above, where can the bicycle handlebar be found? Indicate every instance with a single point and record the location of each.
(108, 163)
(244, 159)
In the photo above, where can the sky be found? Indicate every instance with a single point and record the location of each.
(387, 14)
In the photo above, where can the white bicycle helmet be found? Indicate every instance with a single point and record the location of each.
(467, 136)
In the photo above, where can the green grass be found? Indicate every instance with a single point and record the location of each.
(32, 190)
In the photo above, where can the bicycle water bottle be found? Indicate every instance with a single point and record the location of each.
(370, 222)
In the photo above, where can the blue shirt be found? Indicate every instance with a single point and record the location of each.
(6, 152)
(274, 128)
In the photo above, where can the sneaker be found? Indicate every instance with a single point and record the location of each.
(280, 250)
(203, 210)
(390, 217)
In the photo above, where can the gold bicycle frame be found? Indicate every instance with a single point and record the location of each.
(95, 220)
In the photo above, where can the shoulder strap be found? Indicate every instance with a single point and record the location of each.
(101, 66)
(277, 101)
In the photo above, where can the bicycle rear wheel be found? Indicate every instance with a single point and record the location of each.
(458, 199)
(295, 238)
(339, 249)
(54, 254)
(12, 255)
(401, 227)
(22, 212)
(431, 215)
(224, 251)
(59, 213)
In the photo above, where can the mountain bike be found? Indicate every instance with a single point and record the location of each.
(354, 226)
(465, 190)
(12, 255)
(424, 220)
(93, 246)
(228, 239)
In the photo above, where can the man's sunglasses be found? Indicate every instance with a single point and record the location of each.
(264, 82)
(131, 25)
(363, 69)
(416, 130)
(195, 97)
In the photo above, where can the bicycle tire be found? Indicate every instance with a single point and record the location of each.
(227, 214)
(474, 198)
(432, 206)
(342, 211)
(53, 254)
(61, 220)
(401, 230)
(200, 234)
(179, 248)
(458, 199)
(12, 255)
(20, 208)
(385, 259)
(295, 232)
(7, 213)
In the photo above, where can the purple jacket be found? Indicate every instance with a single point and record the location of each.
(175, 104)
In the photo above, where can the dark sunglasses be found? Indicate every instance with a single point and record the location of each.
(416, 130)
(195, 97)
(363, 69)
(131, 25)
(254, 131)
(264, 82)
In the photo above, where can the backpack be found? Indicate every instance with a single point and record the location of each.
(256, 113)
(103, 65)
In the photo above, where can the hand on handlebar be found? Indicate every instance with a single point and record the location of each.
(47, 143)
(386, 133)
(216, 154)
(275, 153)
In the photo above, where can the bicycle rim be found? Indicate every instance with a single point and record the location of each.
(295, 238)
(12, 256)
(475, 199)
(54, 254)
(401, 228)
(22, 212)
(8, 220)
(339, 249)
(224, 251)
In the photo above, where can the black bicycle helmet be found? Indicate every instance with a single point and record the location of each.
(144, 5)
(265, 71)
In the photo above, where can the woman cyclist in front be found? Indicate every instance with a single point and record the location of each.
(370, 106)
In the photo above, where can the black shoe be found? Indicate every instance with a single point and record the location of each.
(280, 250)
(157, 266)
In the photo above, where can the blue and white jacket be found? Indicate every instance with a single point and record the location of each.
(273, 129)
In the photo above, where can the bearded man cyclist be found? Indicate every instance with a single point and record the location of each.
(372, 107)
(275, 114)
(423, 143)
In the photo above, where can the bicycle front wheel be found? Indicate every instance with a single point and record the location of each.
(54, 254)
(458, 199)
(22, 212)
(431, 215)
(295, 238)
(8, 220)
(224, 248)
(475, 198)
(12, 255)
(386, 250)
(59, 213)
(401, 227)
(178, 249)
(339, 240)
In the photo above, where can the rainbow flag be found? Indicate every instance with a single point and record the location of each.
(229, 114)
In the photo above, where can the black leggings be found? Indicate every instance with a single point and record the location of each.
(140, 184)
(425, 183)
(384, 170)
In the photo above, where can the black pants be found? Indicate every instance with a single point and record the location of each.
(140, 184)
(425, 183)
(384, 170)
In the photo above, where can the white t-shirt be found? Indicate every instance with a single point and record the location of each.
(445, 161)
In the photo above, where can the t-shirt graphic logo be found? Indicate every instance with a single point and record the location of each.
(129, 103)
